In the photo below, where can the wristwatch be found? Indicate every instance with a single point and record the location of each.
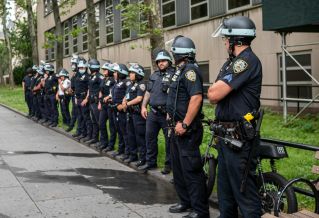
(185, 126)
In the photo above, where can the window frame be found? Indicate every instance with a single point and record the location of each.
(97, 21)
(123, 29)
(66, 25)
(303, 82)
(238, 8)
(75, 25)
(168, 14)
(111, 24)
(195, 5)
(83, 32)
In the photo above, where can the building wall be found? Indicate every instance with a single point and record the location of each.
(210, 50)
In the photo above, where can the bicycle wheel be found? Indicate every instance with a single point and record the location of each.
(209, 166)
(273, 184)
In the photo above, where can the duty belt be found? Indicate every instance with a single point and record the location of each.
(81, 95)
(159, 109)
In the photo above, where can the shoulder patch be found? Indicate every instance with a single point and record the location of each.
(142, 87)
(191, 75)
(239, 66)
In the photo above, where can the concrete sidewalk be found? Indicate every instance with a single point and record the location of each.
(46, 174)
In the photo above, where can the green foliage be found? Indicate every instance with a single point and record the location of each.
(18, 73)
(135, 18)
(4, 58)
(20, 39)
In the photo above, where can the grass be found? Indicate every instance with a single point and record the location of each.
(302, 130)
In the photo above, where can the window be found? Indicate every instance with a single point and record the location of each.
(66, 38)
(126, 33)
(47, 7)
(168, 13)
(298, 82)
(109, 21)
(75, 38)
(143, 18)
(204, 68)
(84, 28)
(199, 9)
(234, 4)
(53, 45)
(97, 20)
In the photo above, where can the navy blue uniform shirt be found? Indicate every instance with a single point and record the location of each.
(158, 85)
(135, 89)
(51, 83)
(186, 83)
(81, 83)
(27, 82)
(106, 86)
(95, 84)
(119, 91)
(244, 75)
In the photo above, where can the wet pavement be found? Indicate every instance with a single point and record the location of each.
(46, 174)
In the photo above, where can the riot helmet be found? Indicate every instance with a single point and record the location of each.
(163, 55)
(122, 70)
(138, 70)
(63, 72)
(48, 68)
(182, 48)
(74, 62)
(109, 67)
(239, 30)
(83, 65)
(94, 65)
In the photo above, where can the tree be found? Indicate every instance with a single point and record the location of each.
(90, 9)
(6, 33)
(32, 32)
(145, 18)
(4, 62)
(58, 35)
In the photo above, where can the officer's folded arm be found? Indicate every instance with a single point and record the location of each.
(218, 91)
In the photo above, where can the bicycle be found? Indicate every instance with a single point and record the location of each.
(269, 183)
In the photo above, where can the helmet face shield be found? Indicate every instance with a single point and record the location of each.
(236, 26)
(218, 31)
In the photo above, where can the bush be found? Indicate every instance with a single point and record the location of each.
(19, 71)
(18, 74)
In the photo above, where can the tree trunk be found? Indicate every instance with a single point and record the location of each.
(59, 36)
(31, 25)
(155, 22)
(90, 8)
(7, 42)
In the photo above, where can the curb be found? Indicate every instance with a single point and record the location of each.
(156, 173)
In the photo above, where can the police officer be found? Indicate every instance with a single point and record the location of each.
(32, 85)
(156, 96)
(38, 96)
(62, 96)
(74, 113)
(93, 99)
(236, 92)
(81, 91)
(136, 124)
(26, 85)
(118, 93)
(106, 111)
(184, 106)
(50, 89)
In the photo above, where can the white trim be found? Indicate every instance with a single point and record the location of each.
(195, 5)
(168, 14)
(238, 8)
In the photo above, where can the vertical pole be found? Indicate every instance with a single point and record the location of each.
(284, 76)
